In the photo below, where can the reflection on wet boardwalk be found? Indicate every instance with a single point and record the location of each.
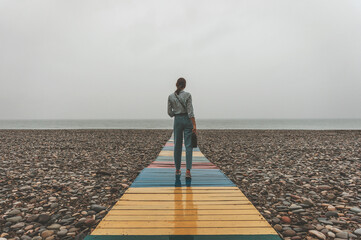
(160, 205)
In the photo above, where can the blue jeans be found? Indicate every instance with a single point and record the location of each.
(182, 125)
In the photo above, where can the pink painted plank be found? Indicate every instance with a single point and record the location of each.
(183, 165)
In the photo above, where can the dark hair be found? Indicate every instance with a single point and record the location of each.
(181, 83)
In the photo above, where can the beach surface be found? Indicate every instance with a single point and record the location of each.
(58, 184)
(307, 184)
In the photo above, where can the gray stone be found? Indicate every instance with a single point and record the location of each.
(97, 207)
(43, 218)
(325, 222)
(356, 210)
(62, 232)
(14, 219)
(25, 237)
(14, 212)
(358, 231)
(331, 214)
(343, 235)
(25, 188)
(18, 225)
(294, 207)
(54, 226)
(298, 210)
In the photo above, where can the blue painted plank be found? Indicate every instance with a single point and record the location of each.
(181, 181)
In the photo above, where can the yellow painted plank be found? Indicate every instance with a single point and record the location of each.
(182, 224)
(181, 212)
(180, 203)
(184, 231)
(180, 197)
(184, 217)
(170, 154)
(188, 206)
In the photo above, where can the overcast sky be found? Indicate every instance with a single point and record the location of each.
(120, 59)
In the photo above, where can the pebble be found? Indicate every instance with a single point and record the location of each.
(18, 225)
(97, 207)
(277, 227)
(331, 208)
(343, 235)
(47, 233)
(43, 218)
(13, 212)
(331, 214)
(356, 210)
(317, 234)
(289, 233)
(285, 219)
(62, 232)
(54, 226)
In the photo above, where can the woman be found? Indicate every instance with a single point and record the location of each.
(180, 106)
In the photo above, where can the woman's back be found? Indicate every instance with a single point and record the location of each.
(175, 104)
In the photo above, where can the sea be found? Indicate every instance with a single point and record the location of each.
(303, 124)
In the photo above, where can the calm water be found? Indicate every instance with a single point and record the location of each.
(201, 124)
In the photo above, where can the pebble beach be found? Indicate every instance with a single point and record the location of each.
(59, 184)
(307, 184)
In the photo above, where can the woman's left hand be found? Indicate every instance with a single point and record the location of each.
(194, 129)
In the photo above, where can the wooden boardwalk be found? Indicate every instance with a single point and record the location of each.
(162, 206)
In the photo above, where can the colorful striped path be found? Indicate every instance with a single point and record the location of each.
(162, 206)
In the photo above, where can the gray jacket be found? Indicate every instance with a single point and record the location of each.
(175, 107)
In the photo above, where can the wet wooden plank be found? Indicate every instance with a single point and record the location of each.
(182, 224)
(183, 231)
(142, 212)
(219, 217)
(190, 206)
(185, 237)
